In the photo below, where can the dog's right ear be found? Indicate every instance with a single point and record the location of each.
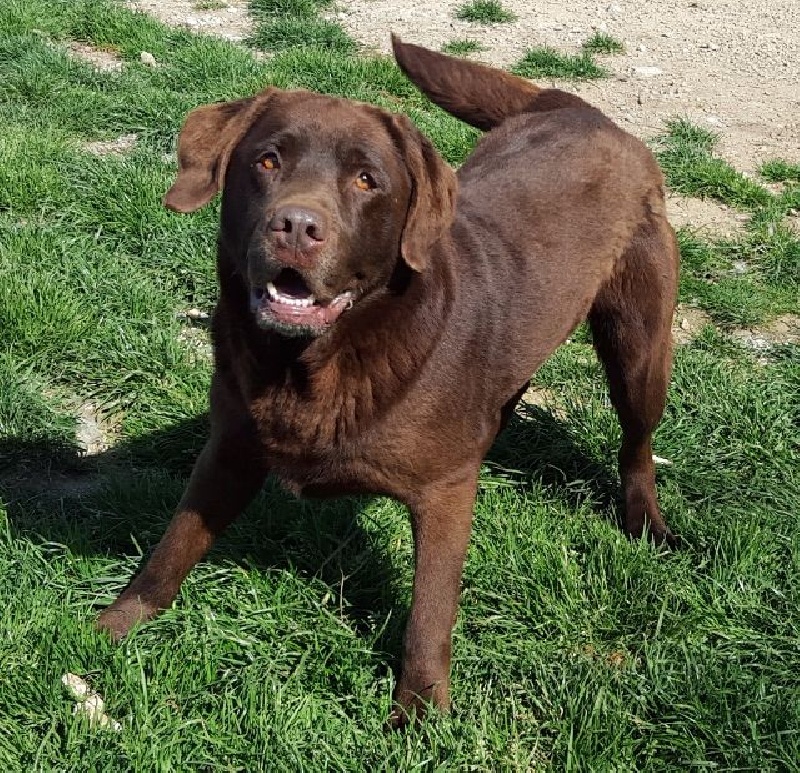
(209, 135)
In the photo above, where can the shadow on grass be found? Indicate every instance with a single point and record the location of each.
(101, 505)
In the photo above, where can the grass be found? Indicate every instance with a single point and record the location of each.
(575, 649)
(768, 247)
(603, 43)
(779, 171)
(484, 12)
(462, 47)
(284, 24)
(209, 5)
(546, 62)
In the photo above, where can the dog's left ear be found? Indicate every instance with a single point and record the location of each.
(208, 138)
(433, 195)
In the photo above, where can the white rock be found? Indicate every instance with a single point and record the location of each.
(648, 71)
(147, 58)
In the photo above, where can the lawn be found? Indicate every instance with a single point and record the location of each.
(575, 648)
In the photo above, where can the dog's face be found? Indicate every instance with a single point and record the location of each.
(322, 198)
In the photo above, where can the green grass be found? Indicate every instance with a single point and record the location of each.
(284, 24)
(779, 171)
(691, 168)
(575, 649)
(603, 43)
(209, 5)
(484, 12)
(546, 62)
(768, 247)
(462, 47)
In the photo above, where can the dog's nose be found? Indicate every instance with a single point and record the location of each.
(298, 228)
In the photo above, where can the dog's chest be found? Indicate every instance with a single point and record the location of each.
(324, 448)
(319, 471)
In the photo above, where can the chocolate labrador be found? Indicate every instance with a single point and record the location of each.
(363, 285)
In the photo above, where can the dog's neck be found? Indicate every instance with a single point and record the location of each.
(355, 371)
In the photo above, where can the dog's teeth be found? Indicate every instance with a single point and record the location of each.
(278, 297)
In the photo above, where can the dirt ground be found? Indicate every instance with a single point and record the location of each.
(731, 65)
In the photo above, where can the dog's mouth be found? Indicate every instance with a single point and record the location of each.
(287, 304)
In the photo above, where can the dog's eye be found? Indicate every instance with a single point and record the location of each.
(270, 161)
(366, 182)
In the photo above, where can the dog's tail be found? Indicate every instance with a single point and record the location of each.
(480, 96)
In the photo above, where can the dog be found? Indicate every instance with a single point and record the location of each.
(363, 284)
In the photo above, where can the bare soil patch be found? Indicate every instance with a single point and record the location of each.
(546, 399)
(730, 65)
(94, 432)
(704, 215)
(687, 323)
(231, 22)
(116, 147)
(99, 58)
(784, 329)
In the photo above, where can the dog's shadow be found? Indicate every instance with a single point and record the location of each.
(123, 498)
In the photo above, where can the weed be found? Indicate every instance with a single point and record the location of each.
(602, 43)
(778, 171)
(462, 47)
(209, 5)
(484, 12)
(549, 63)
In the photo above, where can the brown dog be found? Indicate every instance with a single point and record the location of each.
(361, 287)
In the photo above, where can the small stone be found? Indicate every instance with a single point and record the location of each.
(641, 48)
(147, 58)
(740, 267)
(648, 71)
(685, 324)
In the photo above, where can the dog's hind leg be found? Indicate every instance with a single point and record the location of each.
(631, 326)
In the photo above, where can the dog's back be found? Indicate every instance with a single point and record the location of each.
(561, 216)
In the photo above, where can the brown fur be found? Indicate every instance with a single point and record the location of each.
(460, 291)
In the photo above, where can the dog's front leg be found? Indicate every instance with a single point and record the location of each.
(227, 475)
(441, 521)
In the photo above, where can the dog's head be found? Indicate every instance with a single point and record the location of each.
(322, 198)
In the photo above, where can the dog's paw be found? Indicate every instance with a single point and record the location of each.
(123, 615)
(662, 536)
(411, 705)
